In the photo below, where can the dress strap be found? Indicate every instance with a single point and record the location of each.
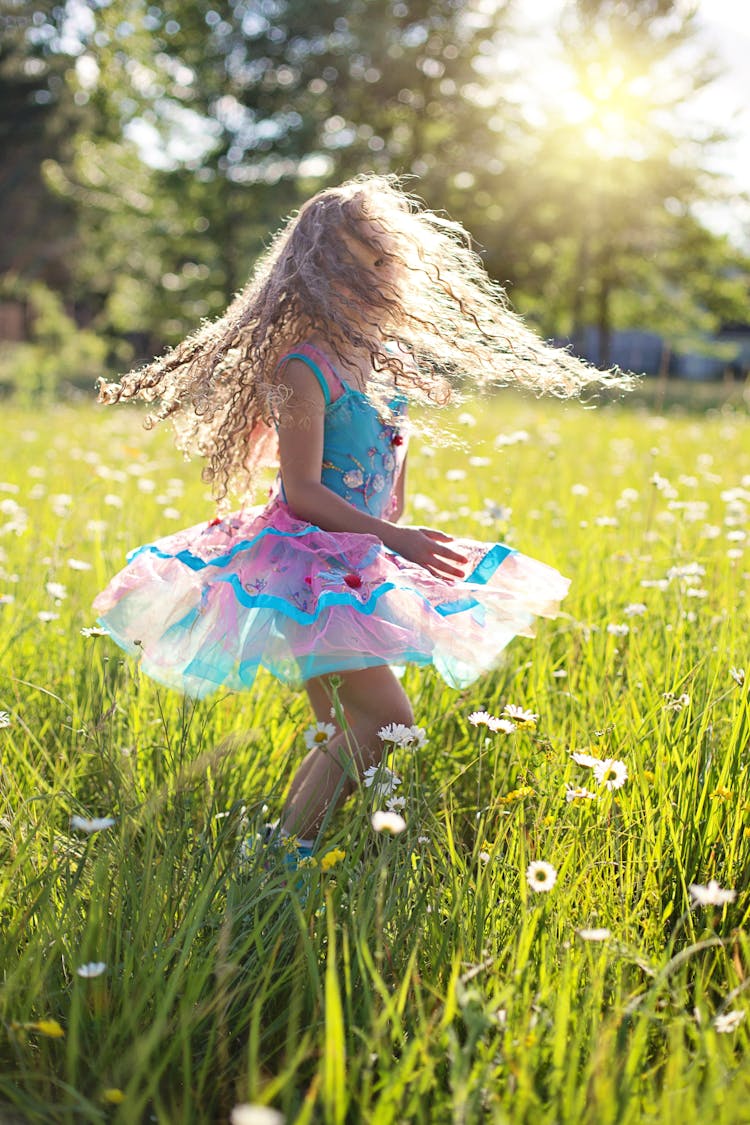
(321, 368)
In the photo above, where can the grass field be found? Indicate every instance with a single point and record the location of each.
(418, 978)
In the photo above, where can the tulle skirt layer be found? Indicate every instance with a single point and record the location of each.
(205, 608)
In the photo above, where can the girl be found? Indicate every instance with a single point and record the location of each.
(365, 301)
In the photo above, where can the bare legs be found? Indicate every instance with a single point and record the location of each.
(370, 699)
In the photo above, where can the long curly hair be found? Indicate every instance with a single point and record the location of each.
(360, 265)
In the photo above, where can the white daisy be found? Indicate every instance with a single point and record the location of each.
(319, 735)
(79, 564)
(401, 735)
(519, 715)
(595, 934)
(92, 969)
(618, 630)
(711, 895)
(738, 675)
(383, 821)
(541, 876)
(579, 793)
(255, 1115)
(395, 804)
(382, 780)
(94, 631)
(84, 824)
(729, 1021)
(4, 719)
(584, 759)
(635, 609)
(611, 772)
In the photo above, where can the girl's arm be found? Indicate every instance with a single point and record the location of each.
(301, 456)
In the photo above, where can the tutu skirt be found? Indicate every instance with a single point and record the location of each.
(205, 608)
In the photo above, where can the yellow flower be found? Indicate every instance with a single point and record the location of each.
(50, 1028)
(649, 775)
(516, 795)
(722, 793)
(113, 1095)
(330, 859)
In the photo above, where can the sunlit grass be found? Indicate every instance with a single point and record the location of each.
(420, 978)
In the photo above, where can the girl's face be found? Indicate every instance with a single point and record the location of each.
(373, 252)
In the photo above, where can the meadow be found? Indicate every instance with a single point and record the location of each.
(154, 968)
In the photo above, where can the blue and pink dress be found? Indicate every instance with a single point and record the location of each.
(205, 608)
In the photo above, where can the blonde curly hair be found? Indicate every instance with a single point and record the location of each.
(222, 389)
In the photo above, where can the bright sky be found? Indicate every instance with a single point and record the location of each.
(726, 32)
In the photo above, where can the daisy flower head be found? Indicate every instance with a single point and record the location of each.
(540, 875)
(579, 793)
(712, 894)
(600, 934)
(728, 1021)
(246, 1114)
(392, 822)
(738, 675)
(492, 722)
(94, 631)
(4, 719)
(382, 780)
(400, 735)
(91, 969)
(611, 772)
(319, 735)
(93, 824)
(395, 804)
(523, 718)
(584, 759)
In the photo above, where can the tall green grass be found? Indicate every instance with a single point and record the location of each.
(420, 979)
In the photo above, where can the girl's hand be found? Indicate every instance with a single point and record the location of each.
(428, 548)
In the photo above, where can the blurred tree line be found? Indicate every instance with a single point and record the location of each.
(150, 149)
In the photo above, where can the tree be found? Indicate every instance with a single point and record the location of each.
(614, 174)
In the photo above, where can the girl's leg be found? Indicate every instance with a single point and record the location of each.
(369, 699)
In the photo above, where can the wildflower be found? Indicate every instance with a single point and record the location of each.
(611, 772)
(516, 795)
(113, 1095)
(579, 793)
(97, 824)
(319, 735)
(722, 793)
(255, 1115)
(331, 858)
(595, 934)
(381, 780)
(738, 675)
(79, 564)
(92, 969)
(711, 895)
(401, 735)
(675, 703)
(395, 804)
(584, 759)
(635, 609)
(519, 716)
(46, 616)
(618, 630)
(483, 718)
(729, 1021)
(391, 822)
(50, 1028)
(485, 857)
(94, 631)
(4, 719)
(541, 876)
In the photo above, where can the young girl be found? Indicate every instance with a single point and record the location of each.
(364, 302)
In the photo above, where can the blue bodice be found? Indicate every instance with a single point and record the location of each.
(362, 453)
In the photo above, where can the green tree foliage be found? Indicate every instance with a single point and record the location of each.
(38, 115)
(615, 174)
